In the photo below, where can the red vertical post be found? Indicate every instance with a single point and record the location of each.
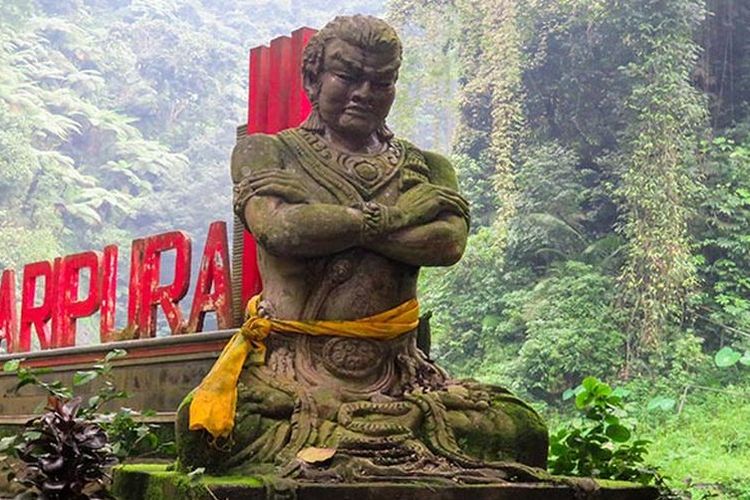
(8, 316)
(31, 314)
(299, 104)
(213, 287)
(260, 65)
(108, 288)
(277, 101)
(279, 84)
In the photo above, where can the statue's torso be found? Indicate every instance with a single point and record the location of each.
(351, 284)
(357, 282)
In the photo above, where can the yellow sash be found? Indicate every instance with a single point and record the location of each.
(215, 399)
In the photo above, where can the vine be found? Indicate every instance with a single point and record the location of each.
(503, 61)
(658, 157)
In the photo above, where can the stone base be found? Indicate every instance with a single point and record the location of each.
(155, 482)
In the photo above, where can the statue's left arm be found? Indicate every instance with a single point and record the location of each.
(419, 237)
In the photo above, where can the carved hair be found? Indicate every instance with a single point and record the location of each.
(366, 32)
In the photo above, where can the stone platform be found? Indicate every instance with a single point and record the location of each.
(155, 482)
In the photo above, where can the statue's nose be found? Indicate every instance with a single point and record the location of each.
(363, 91)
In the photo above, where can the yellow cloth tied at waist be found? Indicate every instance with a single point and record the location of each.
(215, 399)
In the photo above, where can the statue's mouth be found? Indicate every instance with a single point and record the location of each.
(358, 110)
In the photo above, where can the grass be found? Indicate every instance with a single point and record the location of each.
(705, 450)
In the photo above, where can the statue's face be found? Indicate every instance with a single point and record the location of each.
(357, 88)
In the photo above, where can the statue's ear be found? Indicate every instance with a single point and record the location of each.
(311, 87)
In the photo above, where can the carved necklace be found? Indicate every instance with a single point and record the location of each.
(368, 173)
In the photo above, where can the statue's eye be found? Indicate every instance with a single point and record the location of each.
(345, 77)
(383, 84)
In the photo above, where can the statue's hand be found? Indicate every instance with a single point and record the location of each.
(425, 201)
(280, 183)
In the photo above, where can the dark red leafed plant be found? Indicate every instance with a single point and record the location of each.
(69, 456)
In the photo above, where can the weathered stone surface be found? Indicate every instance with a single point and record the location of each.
(152, 482)
(345, 215)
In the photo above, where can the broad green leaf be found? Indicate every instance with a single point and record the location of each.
(115, 354)
(726, 357)
(12, 366)
(661, 403)
(84, 377)
(7, 442)
(590, 383)
(618, 433)
(582, 399)
(745, 359)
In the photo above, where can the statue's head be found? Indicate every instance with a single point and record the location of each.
(349, 69)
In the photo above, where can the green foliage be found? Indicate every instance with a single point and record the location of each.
(722, 308)
(564, 327)
(126, 434)
(726, 357)
(464, 303)
(703, 449)
(600, 443)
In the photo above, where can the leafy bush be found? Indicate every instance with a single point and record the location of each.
(600, 442)
(551, 335)
(66, 456)
(466, 301)
(722, 308)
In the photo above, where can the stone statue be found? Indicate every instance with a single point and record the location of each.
(327, 381)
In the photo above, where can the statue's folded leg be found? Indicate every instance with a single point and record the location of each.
(261, 426)
(492, 425)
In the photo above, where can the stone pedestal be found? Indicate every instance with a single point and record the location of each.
(152, 482)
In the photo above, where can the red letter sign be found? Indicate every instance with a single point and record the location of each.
(153, 294)
(8, 317)
(214, 273)
(38, 316)
(109, 294)
(67, 306)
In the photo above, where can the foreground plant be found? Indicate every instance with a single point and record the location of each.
(67, 451)
(70, 455)
(600, 442)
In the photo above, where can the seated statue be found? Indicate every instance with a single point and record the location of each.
(325, 379)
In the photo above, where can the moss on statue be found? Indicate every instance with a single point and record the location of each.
(156, 482)
(344, 215)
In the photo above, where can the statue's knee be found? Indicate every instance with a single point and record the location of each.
(531, 438)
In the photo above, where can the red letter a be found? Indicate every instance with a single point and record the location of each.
(214, 273)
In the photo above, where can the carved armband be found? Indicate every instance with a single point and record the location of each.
(376, 220)
(242, 194)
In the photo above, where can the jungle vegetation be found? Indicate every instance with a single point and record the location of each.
(604, 146)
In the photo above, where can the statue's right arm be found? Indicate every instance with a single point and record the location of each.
(263, 190)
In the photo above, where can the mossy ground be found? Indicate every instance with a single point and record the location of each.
(156, 482)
